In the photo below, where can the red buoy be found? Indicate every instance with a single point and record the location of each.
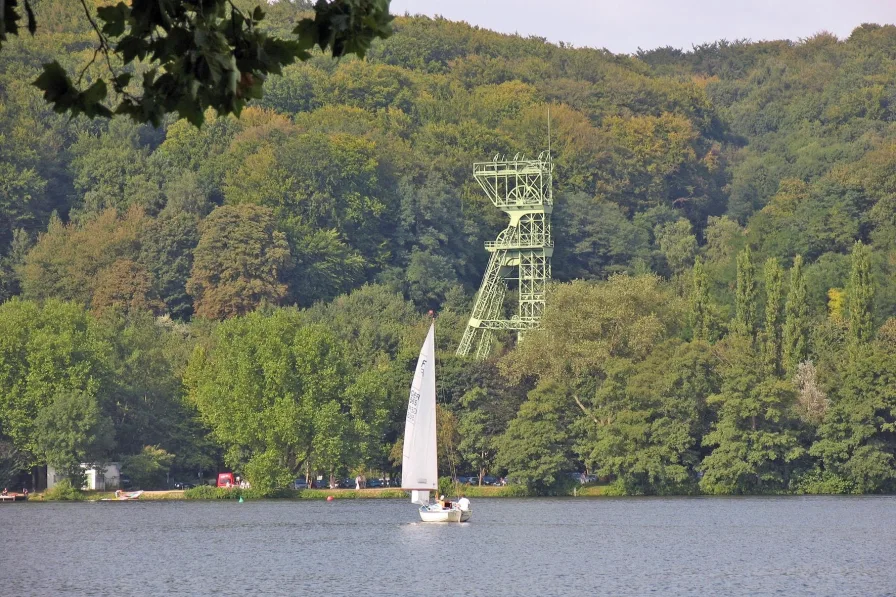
(329, 498)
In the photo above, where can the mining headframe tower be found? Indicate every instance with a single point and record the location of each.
(522, 252)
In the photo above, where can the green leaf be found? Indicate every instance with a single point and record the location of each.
(90, 99)
(55, 83)
(131, 47)
(95, 93)
(121, 81)
(115, 18)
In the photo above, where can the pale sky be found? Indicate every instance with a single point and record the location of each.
(622, 26)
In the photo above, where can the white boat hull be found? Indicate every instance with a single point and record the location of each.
(440, 515)
(124, 497)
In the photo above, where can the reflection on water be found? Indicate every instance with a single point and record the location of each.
(685, 546)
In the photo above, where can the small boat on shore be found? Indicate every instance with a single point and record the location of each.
(14, 497)
(123, 496)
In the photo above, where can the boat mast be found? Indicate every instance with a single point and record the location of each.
(435, 413)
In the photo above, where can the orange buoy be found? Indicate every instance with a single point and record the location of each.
(329, 498)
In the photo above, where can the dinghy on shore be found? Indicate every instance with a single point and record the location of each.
(123, 496)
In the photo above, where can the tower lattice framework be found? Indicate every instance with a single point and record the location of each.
(522, 251)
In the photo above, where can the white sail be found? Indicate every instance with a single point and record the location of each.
(420, 497)
(419, 470)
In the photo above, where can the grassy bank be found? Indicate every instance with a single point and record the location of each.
(49, 496)
(216, 493)
(220, 493)
(591, 490)
(471, 491)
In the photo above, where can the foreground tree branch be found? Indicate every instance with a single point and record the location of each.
(186, 56)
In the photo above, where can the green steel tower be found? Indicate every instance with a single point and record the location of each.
(522, 251)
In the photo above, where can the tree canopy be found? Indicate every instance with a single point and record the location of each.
(252, 293)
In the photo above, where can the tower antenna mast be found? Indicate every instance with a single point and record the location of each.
(549, 132)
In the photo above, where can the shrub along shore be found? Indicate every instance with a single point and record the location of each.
(221, 493)
(471, 491)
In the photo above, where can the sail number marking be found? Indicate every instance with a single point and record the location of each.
(415, 396)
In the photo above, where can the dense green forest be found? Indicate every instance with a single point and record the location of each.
(253, 293)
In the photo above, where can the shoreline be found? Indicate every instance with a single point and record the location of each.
(314, 494)
(598, 491)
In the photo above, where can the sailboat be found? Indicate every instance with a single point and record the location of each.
(419, 467)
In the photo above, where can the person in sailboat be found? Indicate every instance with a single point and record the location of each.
(463, 503)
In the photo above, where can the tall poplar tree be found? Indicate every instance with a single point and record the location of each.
(745, 298)
(796, 319)
(856, 442)
(860, 296)
(773, 315)
(754, 441)
(856, 437)
(700, 315)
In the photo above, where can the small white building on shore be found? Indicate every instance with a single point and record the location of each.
(103, 477)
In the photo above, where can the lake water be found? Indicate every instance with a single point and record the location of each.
(647, 546)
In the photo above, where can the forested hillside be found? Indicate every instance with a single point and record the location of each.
(253, 293)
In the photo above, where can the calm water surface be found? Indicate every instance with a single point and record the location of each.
(688, 546)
